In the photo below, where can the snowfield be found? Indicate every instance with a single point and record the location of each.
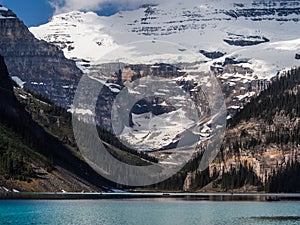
(191, 25)
(243, 43)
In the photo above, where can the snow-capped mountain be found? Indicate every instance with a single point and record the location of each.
(262, 34)
(243, 43)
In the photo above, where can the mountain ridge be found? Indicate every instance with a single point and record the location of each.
(35, 63)
(225, 39)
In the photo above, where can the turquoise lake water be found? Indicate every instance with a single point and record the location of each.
(147, 212)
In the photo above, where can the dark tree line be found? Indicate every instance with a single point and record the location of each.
(282, 95)
(285, 180)
(238, 177)
(281, 99)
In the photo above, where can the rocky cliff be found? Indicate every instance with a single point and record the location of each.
(40, 65)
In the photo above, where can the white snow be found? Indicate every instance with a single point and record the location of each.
(174, 34)
(115, 90)
(113, 87)
(81, 111)
(36, 83)
(18, 81)
(23, 96)
(7, 17)
(83, 31)
(234, 107)
(5, 189)
(248, 94)
(2, 8)
(290, 45)
(152, 132)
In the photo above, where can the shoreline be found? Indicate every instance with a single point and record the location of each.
(141, 195)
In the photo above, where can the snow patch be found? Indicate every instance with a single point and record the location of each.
(151, 132)
(81, 111)
(2, 8)
(19, 82)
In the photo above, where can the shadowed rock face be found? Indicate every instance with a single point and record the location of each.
(12, 113)
(7, 97)
(41, 65)
(71, 172)
(6, 87)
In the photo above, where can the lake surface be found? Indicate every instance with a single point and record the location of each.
(148, 212)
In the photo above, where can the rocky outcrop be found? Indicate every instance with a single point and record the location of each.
(189, 180)
(240, 40)
(212, 55)
(41, 65)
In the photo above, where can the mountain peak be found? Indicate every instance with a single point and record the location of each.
(6, 13)
(73, 16)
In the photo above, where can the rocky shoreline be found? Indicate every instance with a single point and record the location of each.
(218, 196)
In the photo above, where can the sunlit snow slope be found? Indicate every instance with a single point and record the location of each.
(243, 43)
(265, 34)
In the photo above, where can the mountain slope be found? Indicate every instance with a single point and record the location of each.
(28, 153)
(265, 135)
(260, 151)
(245, 44)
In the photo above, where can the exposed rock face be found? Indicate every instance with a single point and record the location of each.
(189, 180)
(41, 65)
(240, 40)
(267, 10)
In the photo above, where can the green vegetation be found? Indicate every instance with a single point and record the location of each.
(277, 112)
(58, 122)
(275, 105)
(283, 95)
(237, 178)
(176, 182)
(285, 180)
(55, 120)
(38, 132)
(14, 157)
